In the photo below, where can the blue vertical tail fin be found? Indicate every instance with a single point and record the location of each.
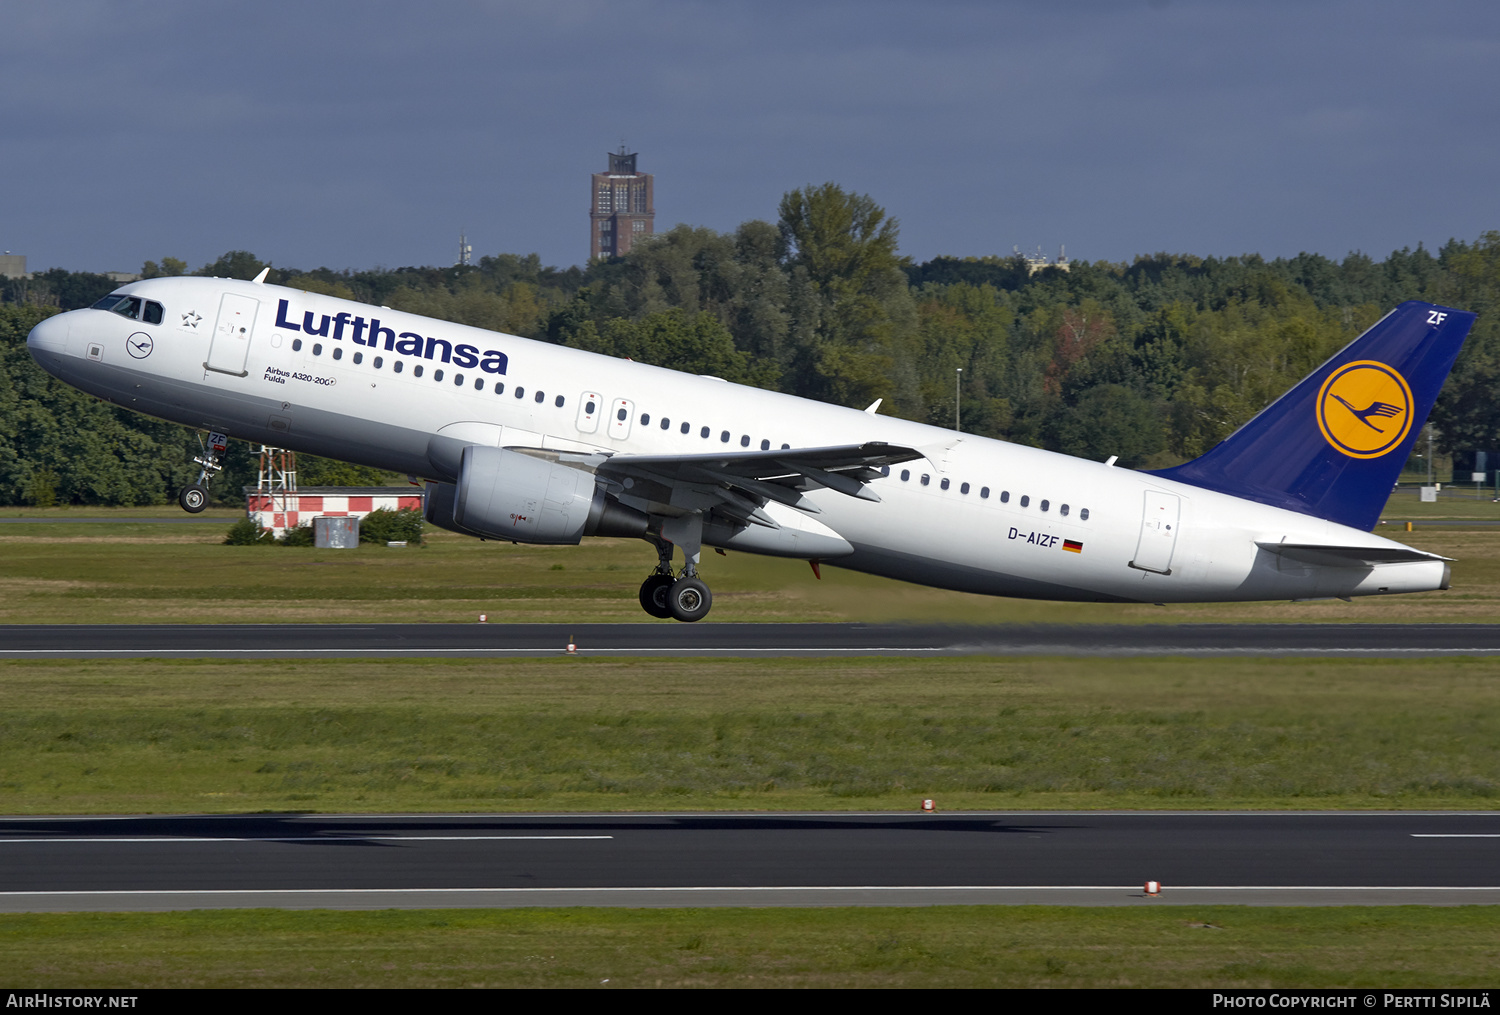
(1334, 445)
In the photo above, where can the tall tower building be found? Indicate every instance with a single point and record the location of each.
(621, 209)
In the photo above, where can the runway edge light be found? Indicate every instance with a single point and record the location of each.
(929, 805)
(1153, 889)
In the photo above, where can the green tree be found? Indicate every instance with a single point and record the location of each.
(170, 266)
(858, 320)
(235, 264)
(670, 338)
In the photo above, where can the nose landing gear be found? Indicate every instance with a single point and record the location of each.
(194, 497)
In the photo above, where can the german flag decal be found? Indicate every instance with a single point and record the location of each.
(1072, 547)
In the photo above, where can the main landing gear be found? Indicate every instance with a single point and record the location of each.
(194, 497)
(683, 597)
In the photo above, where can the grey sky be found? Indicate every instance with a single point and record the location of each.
(351, 133)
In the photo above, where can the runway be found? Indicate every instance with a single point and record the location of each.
(708, 639)
(416, 861)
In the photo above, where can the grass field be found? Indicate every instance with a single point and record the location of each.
(127, 736)
(68, 572)
(998, 946)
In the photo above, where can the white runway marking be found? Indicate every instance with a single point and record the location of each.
(751, 889)
(326, 838)
(1455, 835)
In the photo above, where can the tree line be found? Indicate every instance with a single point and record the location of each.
(1153, 361)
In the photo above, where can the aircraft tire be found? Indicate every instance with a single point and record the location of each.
(689, 600)
(654, 595)
(193, 499)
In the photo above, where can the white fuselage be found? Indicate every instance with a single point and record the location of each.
(976, 514)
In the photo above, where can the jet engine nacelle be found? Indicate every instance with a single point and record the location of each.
(502, 494)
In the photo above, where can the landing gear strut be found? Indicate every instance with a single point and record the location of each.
(685, 597)
(194, 497)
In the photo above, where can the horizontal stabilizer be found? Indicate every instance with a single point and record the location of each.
(1347, 556)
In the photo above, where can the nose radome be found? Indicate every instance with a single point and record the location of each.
(51, 335)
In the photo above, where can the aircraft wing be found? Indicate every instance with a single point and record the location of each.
(738, 484)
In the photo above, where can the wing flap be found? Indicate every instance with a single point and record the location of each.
(770, 475)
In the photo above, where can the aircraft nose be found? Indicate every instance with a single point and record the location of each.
(50, 335)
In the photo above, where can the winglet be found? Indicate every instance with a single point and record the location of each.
(1333, 446)
(261, 278)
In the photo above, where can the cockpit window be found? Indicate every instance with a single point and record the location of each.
(132, 307)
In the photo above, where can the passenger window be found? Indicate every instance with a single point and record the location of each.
(744, 440)
(666, 424)
(724, 437)
(520, 391)
(1025, 500)
(499, 387)
(416, 371)
(704, 433)
(786, 447)
(964, 488)
(1045, 505)
(458, 380)
(645, 418)
(153, 312)
(905, 475)
(685, 428)
(359, 358)
(765, 445)
(437, 374)
(398, 365)
(1004, 496)
(926, 479)
(559, 401)
(479, 384)
(944, 484)
(317, 348)
(338, 352)
(377, 362)
(296, 345)
(590, 407)
(984, 493)
(1083, 515)
(622, 414)
(540, 397)
(1063, 510)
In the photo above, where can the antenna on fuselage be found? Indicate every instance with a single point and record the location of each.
(261, 278)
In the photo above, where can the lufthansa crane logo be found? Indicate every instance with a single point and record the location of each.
(1364, 409)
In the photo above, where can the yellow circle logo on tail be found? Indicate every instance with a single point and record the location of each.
(1364, 409)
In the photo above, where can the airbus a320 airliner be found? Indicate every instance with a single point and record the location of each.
(536, 443)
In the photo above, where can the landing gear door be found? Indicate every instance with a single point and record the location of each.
(231, 341)
(1158, 532)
